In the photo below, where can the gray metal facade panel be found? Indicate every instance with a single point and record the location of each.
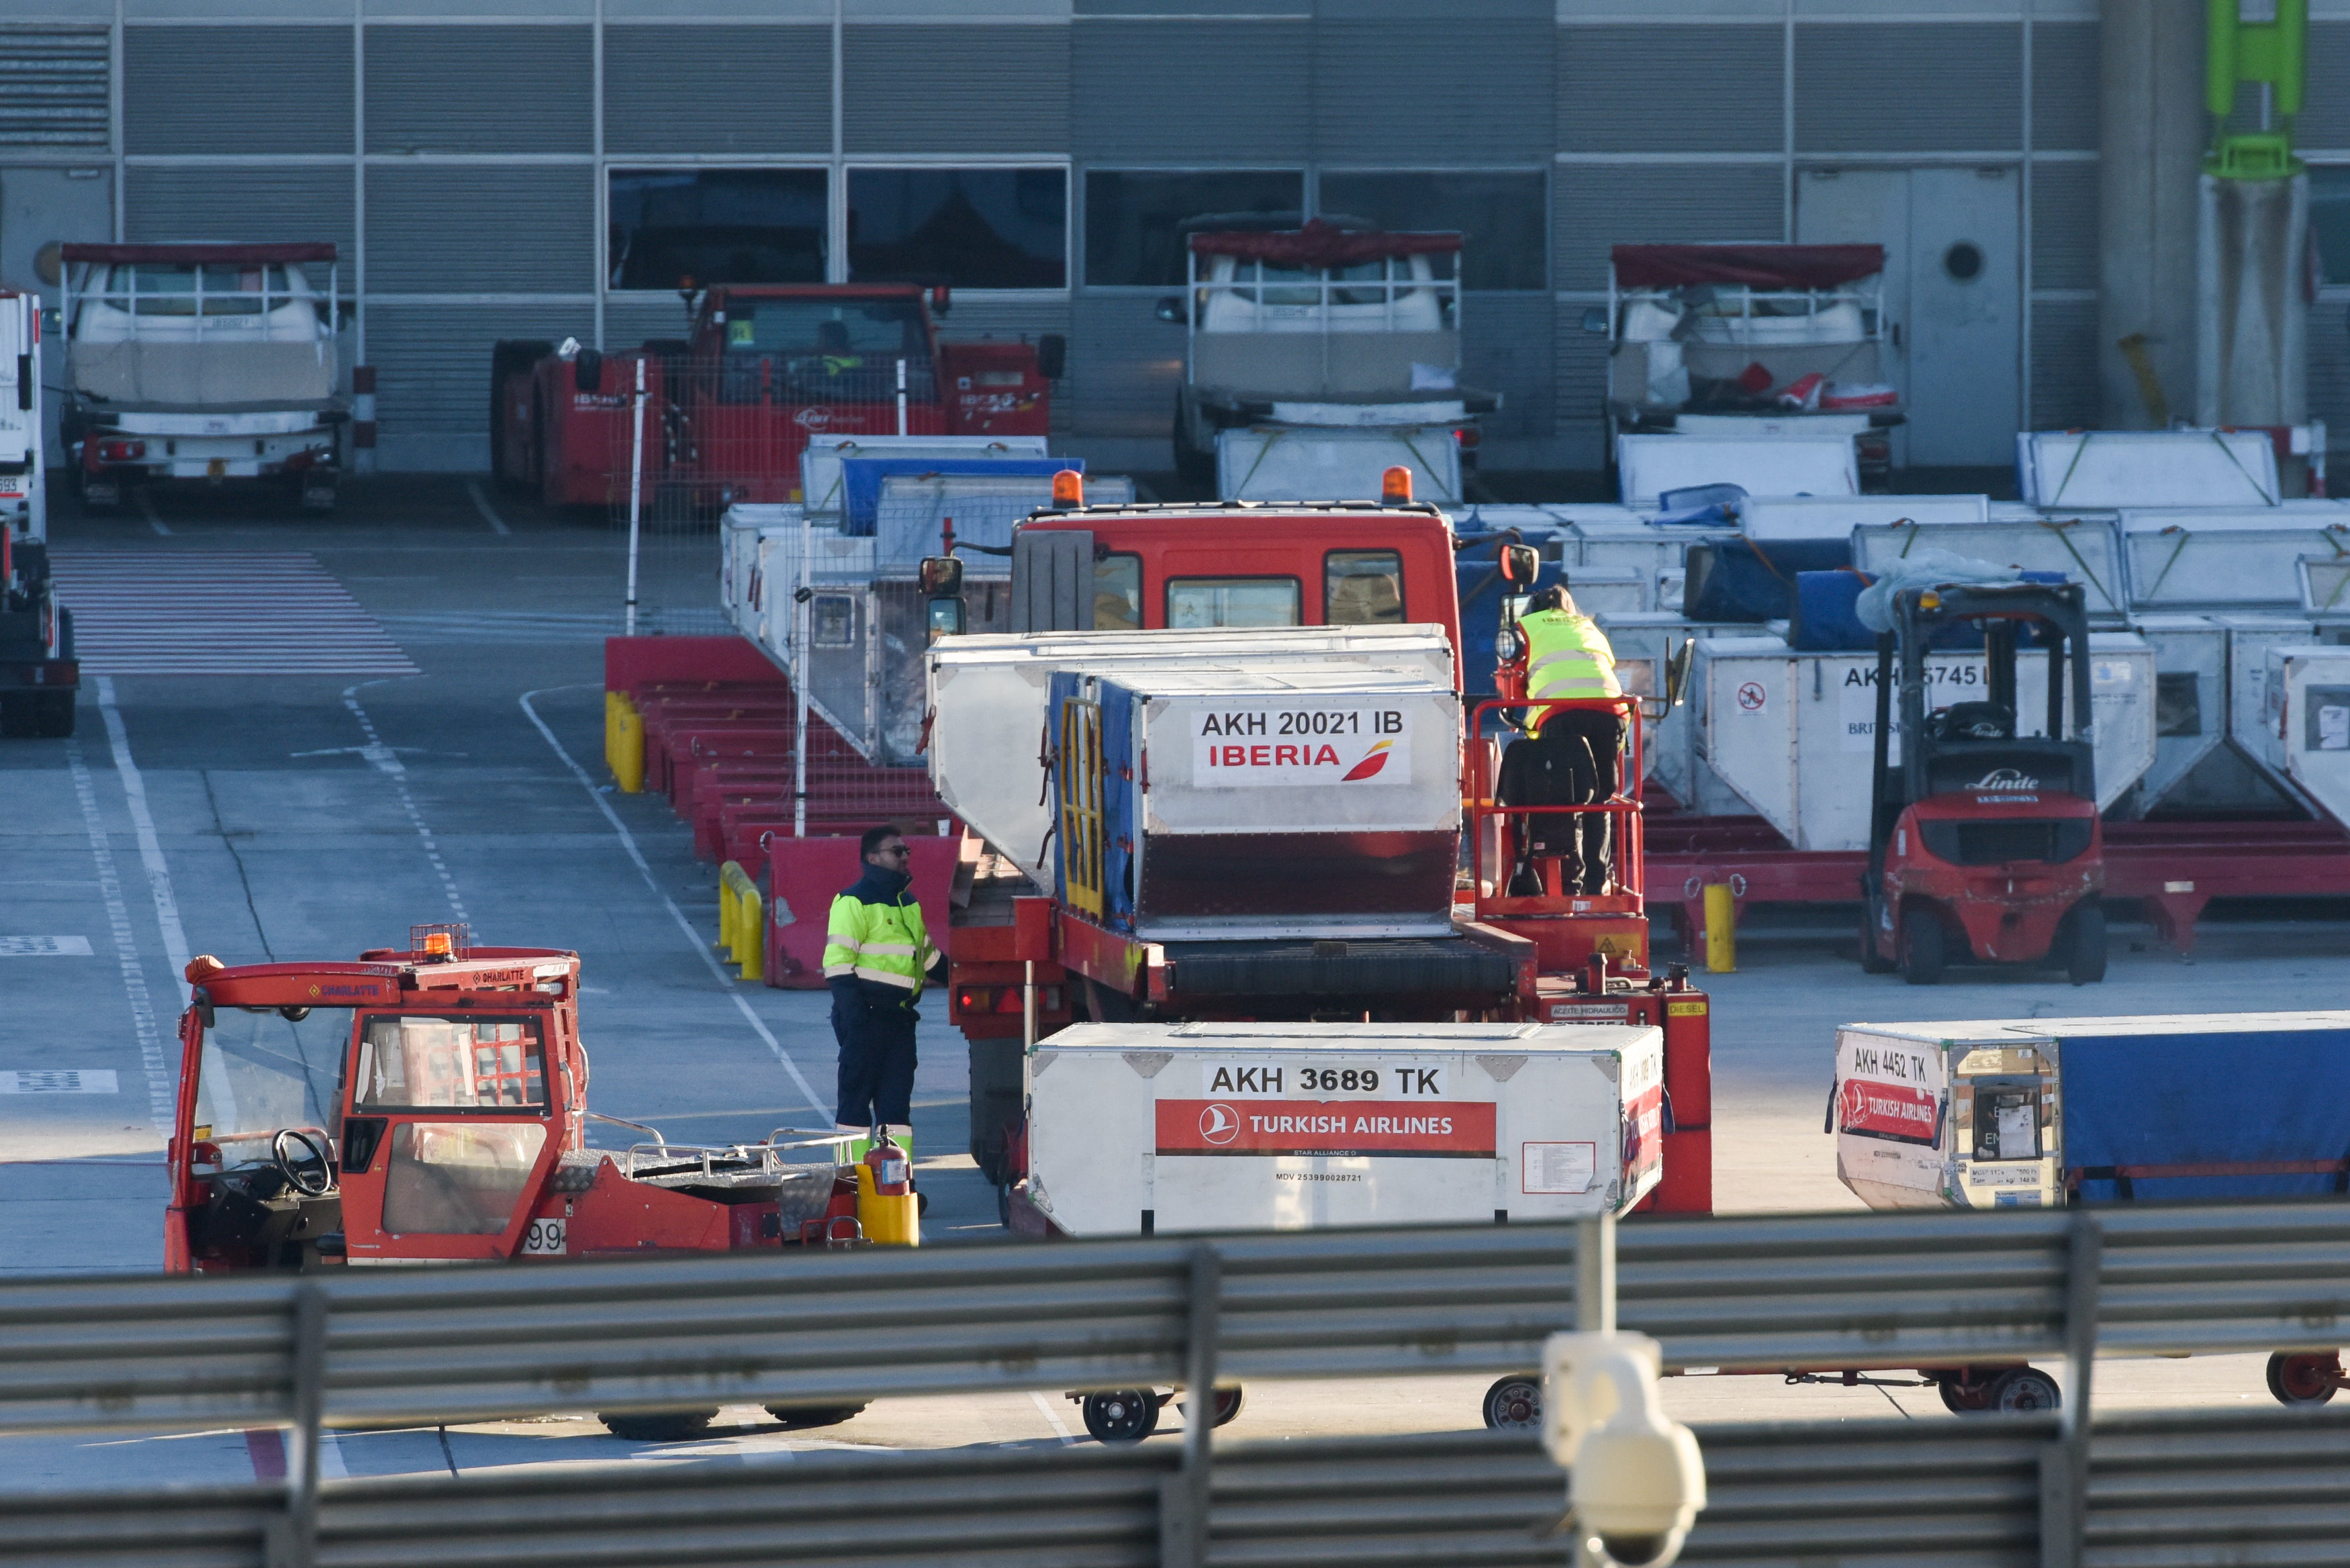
(2065, 71)
(2064, 365)
(476, 228)
(1506, 347)
(298, 202)
(955, 88)
(1597, 206)
(1922, 87)
(2324, 119)
(433, 362)
(488, 89)
(2329, 387)
(236, 89)
(657, 94)
(1726, 79)
(1581, 376)
(1165, 92)
(1487, 91)
(1124, 368)
(2064, 225)
(54, 84)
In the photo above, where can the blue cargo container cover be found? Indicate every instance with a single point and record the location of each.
(1119, 837)
(2194, 1098)
(860, 478)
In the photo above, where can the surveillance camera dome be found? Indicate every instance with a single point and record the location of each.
(1638, 1489)
(1632, 1550)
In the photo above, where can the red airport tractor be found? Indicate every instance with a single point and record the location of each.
(1985, 843)
(427, 1104)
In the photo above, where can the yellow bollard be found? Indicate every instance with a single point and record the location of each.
(628, 756)
(726, 911)
(752, 930)
(739, 930)
(1720, 930)
(612, 701)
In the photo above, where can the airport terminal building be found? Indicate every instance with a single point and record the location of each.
(544, 168)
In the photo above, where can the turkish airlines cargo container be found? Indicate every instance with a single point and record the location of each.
(2038, 1112)
(1143, 1127)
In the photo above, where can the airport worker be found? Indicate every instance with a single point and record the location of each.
(1568, 656)
(876, 952)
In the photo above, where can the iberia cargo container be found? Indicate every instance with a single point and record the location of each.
(2041, 1112)
(1138, 1128)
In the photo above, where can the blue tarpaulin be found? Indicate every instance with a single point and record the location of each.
(860, 478)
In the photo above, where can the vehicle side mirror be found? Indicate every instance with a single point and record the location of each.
(1521, 563)
(1171, 310)
(941, 577)
(1595, 320)
(1052, 356)
(587, 371)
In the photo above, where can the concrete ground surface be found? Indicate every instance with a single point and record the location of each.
(306, 811)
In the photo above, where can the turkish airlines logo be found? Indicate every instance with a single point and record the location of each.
(1218, 1124)
(1372, 764)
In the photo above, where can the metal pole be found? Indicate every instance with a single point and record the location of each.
(1183, 1497)
(901, 394)
(802, 613)
(2065, 1464)
(636, 491)
(308, 1357)
(1595, 1274)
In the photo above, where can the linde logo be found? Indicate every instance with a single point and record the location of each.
(2005, 778)
(1300, 746)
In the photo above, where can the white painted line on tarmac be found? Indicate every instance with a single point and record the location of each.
(1060, 1427)
(692, 938)
(482, 504)
(45, 947)
(146, 510)
(151, 1061)
(142, 822)
(386, 762)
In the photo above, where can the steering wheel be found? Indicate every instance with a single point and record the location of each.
(312, 1179)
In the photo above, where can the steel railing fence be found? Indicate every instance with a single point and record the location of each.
(2171, 1492)
(353, 1346)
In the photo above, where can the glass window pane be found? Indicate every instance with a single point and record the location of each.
(1499, 217)
(1134, 218)
(458, 1179)
(1118, 593)
(2329, 220)
(262, 1071)
(715, 225)
(1193, 602)
(479, 1064)
(1362, 587)
(974, 228)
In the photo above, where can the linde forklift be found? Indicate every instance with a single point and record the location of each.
(1985, 840)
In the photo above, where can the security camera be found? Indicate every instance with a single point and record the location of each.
(1634, 1480)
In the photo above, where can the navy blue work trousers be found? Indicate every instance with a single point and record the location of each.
(876, 1033)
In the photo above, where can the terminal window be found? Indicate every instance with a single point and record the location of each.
(970, 228)
(1501, 216)
(670, 228)
(1137, 220)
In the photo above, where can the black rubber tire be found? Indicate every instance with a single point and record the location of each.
(1965, 1393)
(2084, 946)
(2024, 1390)
(1513, 1404)
(2303, 1380)
(815, 1415)
(17, 715)
(1925, 948)
(53, 715)
(1228, 1405)
(1871, 961)
(659, 1425)
(1120, 1415)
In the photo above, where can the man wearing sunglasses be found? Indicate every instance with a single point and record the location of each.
(876, 952)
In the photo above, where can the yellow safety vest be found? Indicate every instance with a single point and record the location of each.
(1567, 656)
(884, 942)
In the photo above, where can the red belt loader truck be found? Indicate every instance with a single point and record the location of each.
(765, 368)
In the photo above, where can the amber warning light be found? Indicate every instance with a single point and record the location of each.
(1068, 490)
(1394, 486)
(437, 945)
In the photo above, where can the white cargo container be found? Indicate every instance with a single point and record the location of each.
(1642, 643)
(1789, 518)
(2190, 699)
(2309, 712)
(2251, 722)
(1649, 465)
(2088, 551)
(1136, 1127)
(989, 694)
(2325, 588)
(1794, 734)
(2242, 559)
(2097, 471)
(1311, 463)
(820, 460)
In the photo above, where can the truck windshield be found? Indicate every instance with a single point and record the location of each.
(158, 288)
(1193, 602)
(484, 1063)
(827, 328)
(263, 1070)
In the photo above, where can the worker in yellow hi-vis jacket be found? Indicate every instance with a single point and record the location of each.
(1568, 656)
(876, 953)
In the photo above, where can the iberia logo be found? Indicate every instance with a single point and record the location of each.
(1372, 764)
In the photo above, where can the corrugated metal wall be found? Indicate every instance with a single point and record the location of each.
(472, 228)
(433, 362)
(1916, 86)
(303, 201)
(1599, 205)
(1613, 76)
(54, 85)
(243, 91)
(2064, 76)
(659, 97)
(1483, 92)
(1165, 91)
(956, 89)
(497, 88)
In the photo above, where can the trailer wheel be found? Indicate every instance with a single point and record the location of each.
(659, 1425)
(1120, 1415)
(1965, 1393)
(15, 716)
(2023, 1390)
(1228, 1405)
(1871, 961)
(2084, 948)
(815, 1415)
(1925, 948)
(2304, 1381)
(1513, 1404)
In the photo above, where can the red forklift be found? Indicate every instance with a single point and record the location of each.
(1984, 843)
(765, 369)
(427, 1104)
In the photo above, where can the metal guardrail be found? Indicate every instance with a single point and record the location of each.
(2181, 1492)
(1834, 1291)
